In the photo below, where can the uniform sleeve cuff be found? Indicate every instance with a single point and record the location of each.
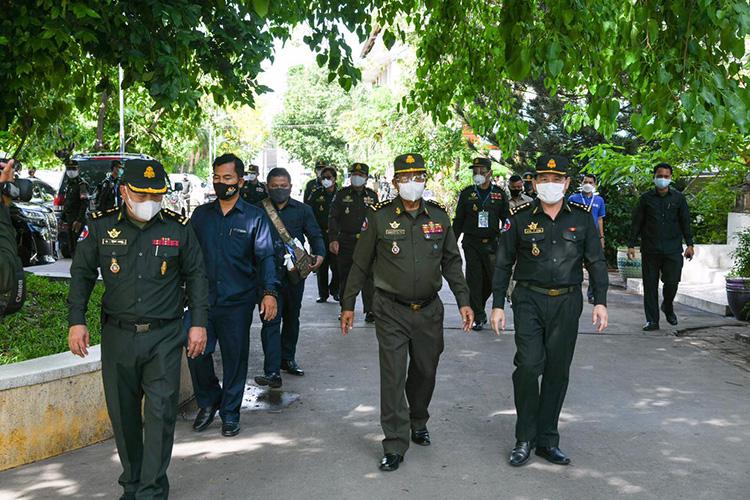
(498, 303)
(199, 318)
(347, 305)
(270, 292)
(76, 317)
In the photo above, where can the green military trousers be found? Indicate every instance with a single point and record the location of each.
(546, 329)
(134, 365)
(480, 268)
(410, 343)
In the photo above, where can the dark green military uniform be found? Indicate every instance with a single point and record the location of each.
(144, 267)
(74, 207)
(408, 254)
(547, 302)
(320, 200)
(480, 216)
(348, 212)
(314, 182)
(253, 192)
(12, 283)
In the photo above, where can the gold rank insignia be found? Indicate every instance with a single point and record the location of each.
(474, 207)
(410, 159)
(149, 173)
(533, 228)
(114, 232)
(346, 211)
(395, 248)
(551, 163)
(398, 210)
(164, 268)
(394, 225)
(535, 250)
(114, 266)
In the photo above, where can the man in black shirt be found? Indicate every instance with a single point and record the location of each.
(662, 220)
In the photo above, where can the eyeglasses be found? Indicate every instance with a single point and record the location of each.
(403, 179)
(328, 177)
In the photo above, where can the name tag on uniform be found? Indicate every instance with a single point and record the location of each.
(113, 241)
(483, 219)
(237, 230)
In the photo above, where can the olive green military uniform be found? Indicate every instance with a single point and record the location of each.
(74, 208)
(480, 216)
(408, 254)
(547, 302)
(144, 268)
(348, 212)
(320, 200)
(253, 193)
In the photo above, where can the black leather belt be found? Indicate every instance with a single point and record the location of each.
(552, 292)
(141, 326)
(414, 305)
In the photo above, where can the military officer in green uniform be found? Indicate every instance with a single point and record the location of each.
(481, 212)
(146, 254)
(549, 241)
(348, 212)
(252, 191)
(315, 181)
(320, 201)
(76, 201)
(409, 246)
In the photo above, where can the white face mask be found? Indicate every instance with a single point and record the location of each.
(411, 191)
(587, 188)
(72, 174)
(144, 210)
(326, 183)
(251, 177)
(662, 183)
(358, 180)
(479, 179)
(550, 192)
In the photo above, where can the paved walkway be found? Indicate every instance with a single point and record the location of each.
(647, 416)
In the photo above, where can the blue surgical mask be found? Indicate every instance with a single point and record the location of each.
(662, 183)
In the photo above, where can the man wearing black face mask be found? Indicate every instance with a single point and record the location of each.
(517, 192)
(239, 256)
(280, 334)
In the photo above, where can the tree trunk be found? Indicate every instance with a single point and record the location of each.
(27, 123)
(99, 144)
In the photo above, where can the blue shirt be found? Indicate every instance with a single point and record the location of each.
(595, 201)
(238, 252)
(300, 222)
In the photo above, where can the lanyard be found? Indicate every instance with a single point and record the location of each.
(583, 199)
(489, 192)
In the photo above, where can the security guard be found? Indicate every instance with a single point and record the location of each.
(320, 201)
(75, 204)
(409, 246)
(253, 190)
(315, 182)
(549, 240)
(481, 211)
(106, 193)
(348, 213)
(146, 254)
(528, 184)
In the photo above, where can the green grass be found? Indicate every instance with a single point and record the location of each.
(40, 328)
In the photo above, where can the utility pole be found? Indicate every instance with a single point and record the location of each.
(122, 112)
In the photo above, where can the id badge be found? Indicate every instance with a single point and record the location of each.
(483, 220)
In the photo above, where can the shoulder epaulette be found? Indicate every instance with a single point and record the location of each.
(103, 213)
(437, 204)
(520, 208)
(381, 204)
(581, 206)
(175, 216)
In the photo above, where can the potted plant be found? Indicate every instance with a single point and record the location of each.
(738, 278)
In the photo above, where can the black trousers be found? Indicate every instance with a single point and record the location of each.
(668, 267)
(546, 332)
(345, 262)
(480, 267)
(325, 287)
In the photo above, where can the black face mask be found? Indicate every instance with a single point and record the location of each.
(515, 192)
(226, 191)
(279, 195)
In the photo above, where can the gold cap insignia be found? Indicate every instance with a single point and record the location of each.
(149, 173)
(476, 161)
(533, 226)
(114, 232)
(410, 159)
(551, 163)
(394, 224)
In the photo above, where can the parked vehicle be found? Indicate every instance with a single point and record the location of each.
(197, 185)
(173, 200)
(93, 168)
(36, 231)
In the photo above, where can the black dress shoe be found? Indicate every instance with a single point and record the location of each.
(478, 326)
(336, 296)
(273, 380)
(650, 327)
(229, 429)
(204, 418)
(321, 300)
(671, 316)
(390, 462)
(421, 437)
(553, 454)
(292, 368)
(369, 317)
(520, 454)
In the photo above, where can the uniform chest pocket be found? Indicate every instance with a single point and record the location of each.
(531, 244)
(434, 242)
(573, 237)
(112, 259)
(165, 261)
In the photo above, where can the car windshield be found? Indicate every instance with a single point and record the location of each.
(42, 193)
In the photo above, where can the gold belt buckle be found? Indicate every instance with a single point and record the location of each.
(415, 307)
(554, 292)
(143, 328)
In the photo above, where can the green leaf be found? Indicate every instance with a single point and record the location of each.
(389, 39)
(321, 60)
(261, 7)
